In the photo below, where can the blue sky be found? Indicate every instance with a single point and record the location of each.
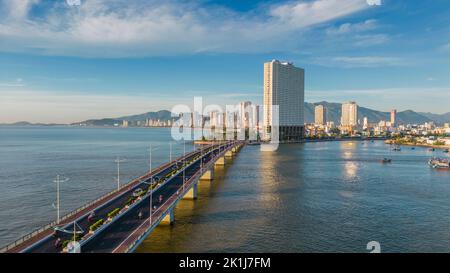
(63, 63)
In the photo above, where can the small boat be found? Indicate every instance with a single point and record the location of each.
(397, 149)
(439, 163)
(445, 151)
(386, 160)
(413, 148)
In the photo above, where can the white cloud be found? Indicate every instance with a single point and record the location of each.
(358, 34)
(360, 61)
(346, 28)
(136, 27)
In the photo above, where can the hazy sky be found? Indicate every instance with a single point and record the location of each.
(105, 58)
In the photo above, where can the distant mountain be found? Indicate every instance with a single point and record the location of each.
(26, 123)
(162, 115)
(438, 118)
(333, 114)
(334, 111)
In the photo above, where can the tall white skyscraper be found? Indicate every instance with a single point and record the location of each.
(320, 115)
(284, 85)
(349, 114)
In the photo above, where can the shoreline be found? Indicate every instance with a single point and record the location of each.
(442, 147)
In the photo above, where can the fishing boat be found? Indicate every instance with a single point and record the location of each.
(439, 163)
(386, 160)
(397, 149)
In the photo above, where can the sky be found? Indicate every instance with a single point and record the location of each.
(64, 61)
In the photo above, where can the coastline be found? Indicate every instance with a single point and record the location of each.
(442, 147)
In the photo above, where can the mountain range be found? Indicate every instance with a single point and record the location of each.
(333, 114)
(334, 111)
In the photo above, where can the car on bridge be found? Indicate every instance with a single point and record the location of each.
(138, 192)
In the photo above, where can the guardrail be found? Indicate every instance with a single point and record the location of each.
(167, 206)
(89, 204)
(83, 242)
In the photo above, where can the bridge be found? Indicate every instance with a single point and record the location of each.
(119, 221)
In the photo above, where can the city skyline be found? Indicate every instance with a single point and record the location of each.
(357, 52)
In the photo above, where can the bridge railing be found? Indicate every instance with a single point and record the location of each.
(131, 241)
(46, 227)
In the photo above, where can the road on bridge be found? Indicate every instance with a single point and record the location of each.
(117, 231)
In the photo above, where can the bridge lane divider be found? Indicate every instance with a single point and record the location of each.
(42, 233)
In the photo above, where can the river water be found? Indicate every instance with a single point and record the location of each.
(313, 197)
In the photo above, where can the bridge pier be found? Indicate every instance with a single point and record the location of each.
(229, 154)
(220, 161)
(208, 175)
(168, 219)
(192, 193)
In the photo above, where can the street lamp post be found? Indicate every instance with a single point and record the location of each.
(59, 179)
(118, 161)
(184, 161)
(151, 186)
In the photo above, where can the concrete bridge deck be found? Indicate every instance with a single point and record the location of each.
(125, 231)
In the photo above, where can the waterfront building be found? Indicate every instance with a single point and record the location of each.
(320, 115)
(255, 118)
(244, 114)
(349, 117)
(393, 117)
(284, 86)
(213, 119)
(365, 123)
(125, 123)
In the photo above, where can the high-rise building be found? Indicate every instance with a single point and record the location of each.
(213, 119)
(244, 114)
(320, 115)
(349, 117)
(284, 86)
(393, 117)
(365, 123)
(255, 117)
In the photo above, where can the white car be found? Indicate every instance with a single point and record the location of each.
(137, 192)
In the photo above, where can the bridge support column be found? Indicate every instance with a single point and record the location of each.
(208, 175)
(220, 161)
(168, 219)
(192, 193)
(229, 154)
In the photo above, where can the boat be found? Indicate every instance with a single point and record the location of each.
(386, 160)
(397, 149)
(439, 163)
(431, 149)
(445, 151)
(413, 148)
